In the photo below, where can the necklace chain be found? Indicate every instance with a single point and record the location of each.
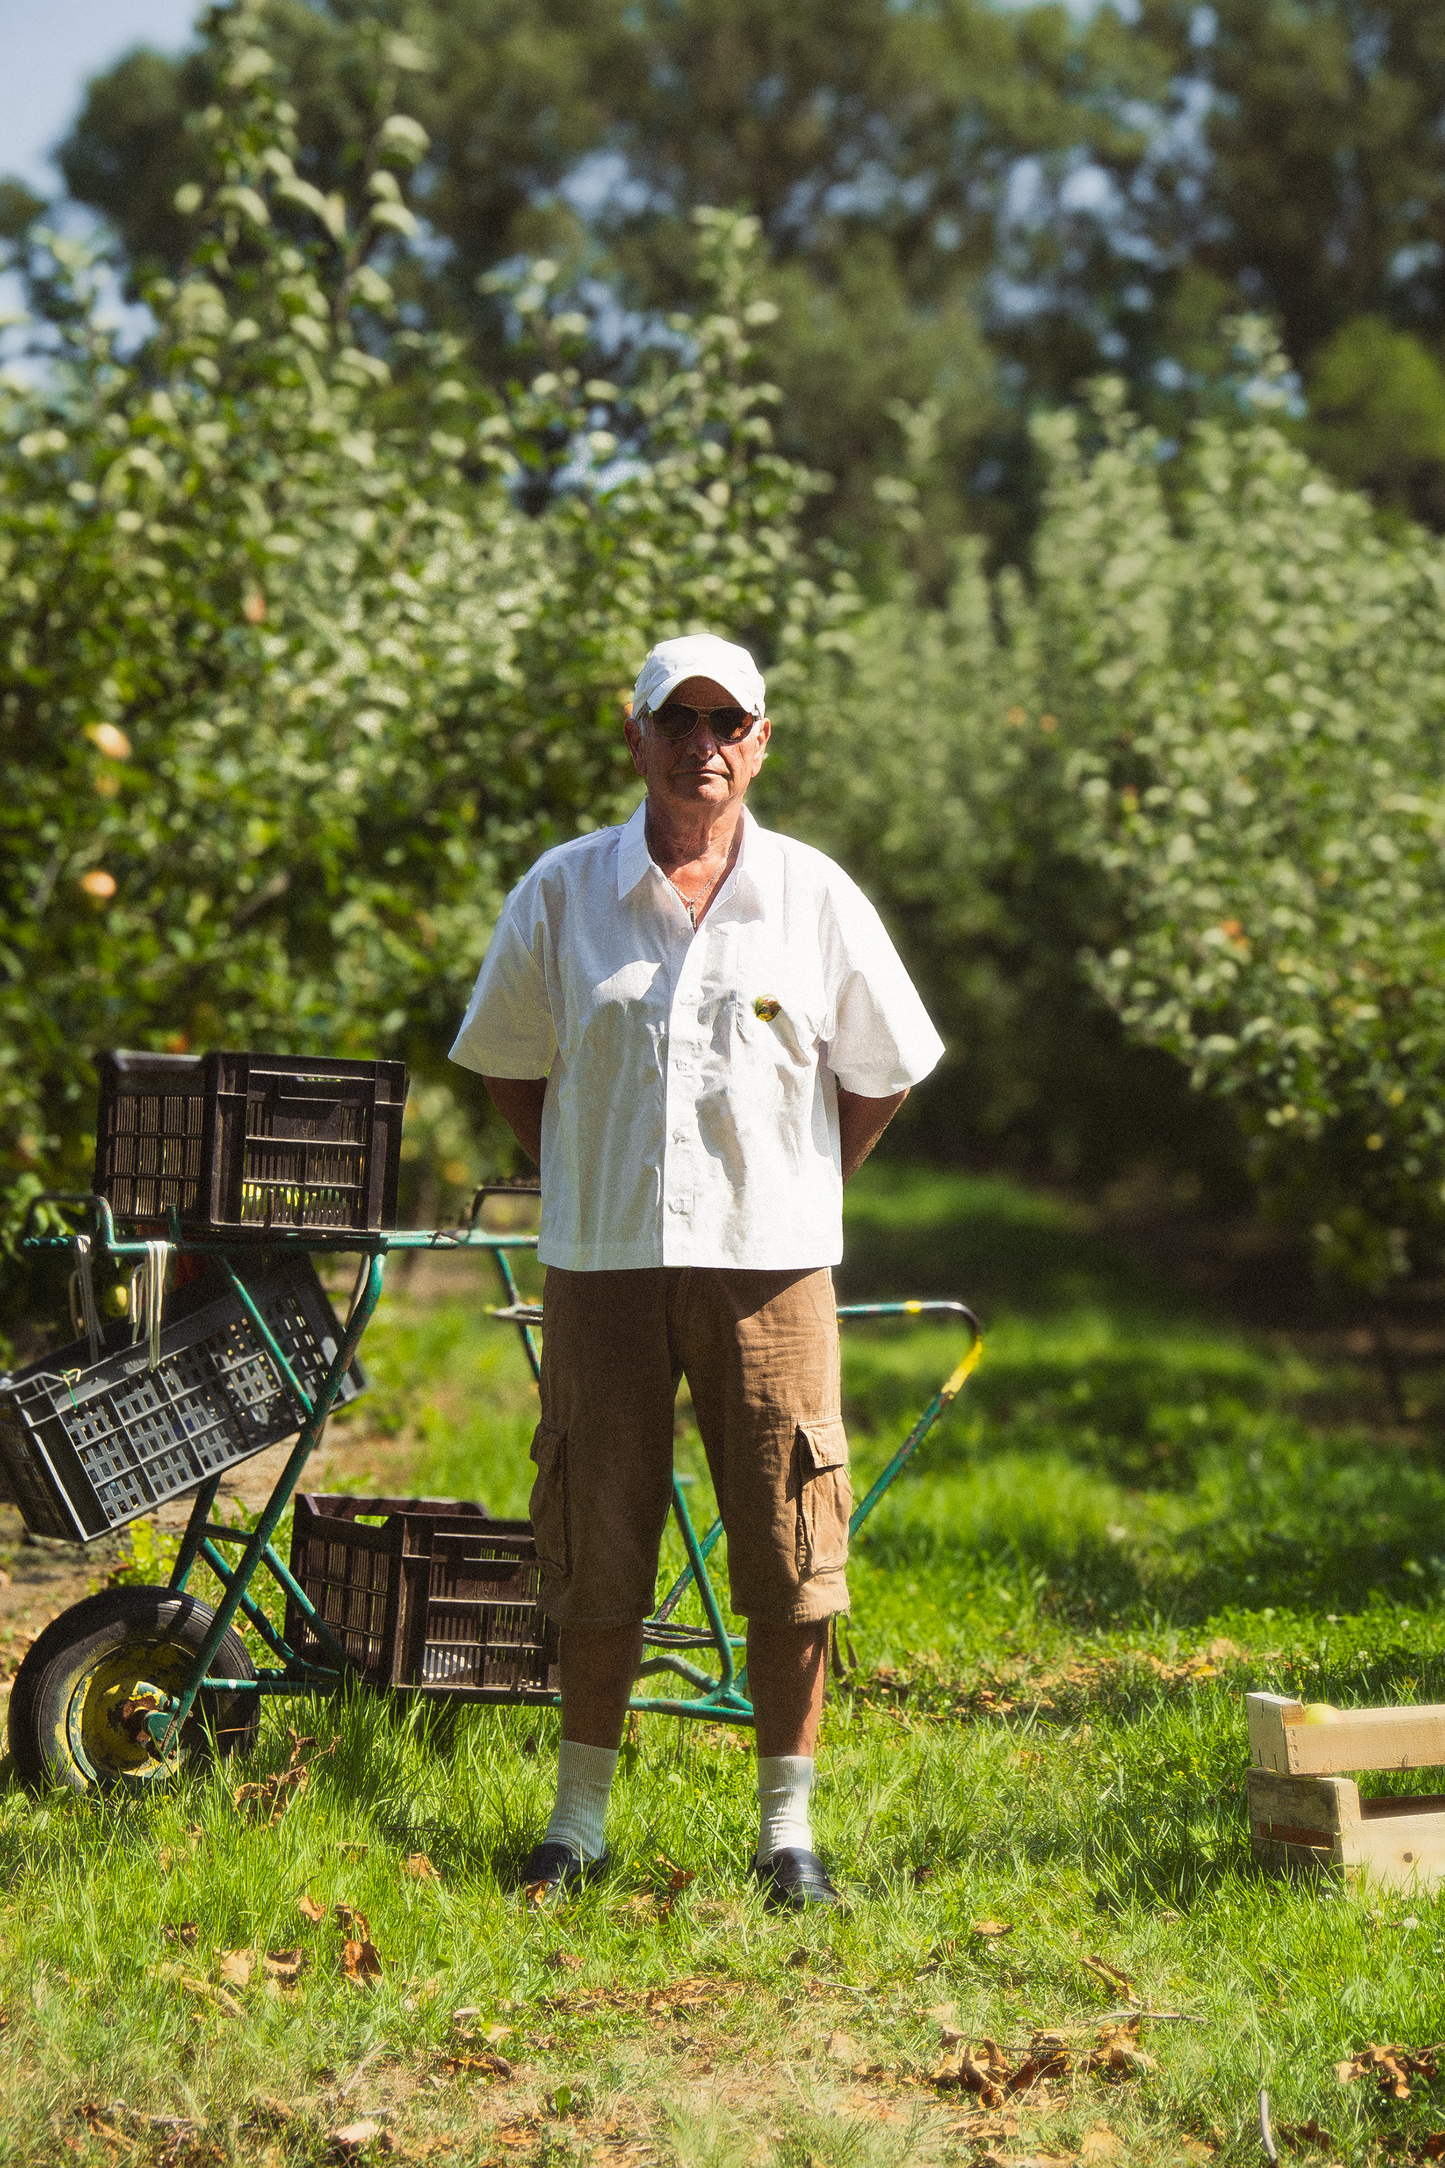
(691, 904)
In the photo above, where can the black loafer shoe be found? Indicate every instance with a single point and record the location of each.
(557, 1867)
(790, 1880)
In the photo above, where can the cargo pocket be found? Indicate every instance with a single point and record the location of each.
(548, 1507)
(825, 1497)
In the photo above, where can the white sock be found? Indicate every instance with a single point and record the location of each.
(784, 1782)
(584, 1778)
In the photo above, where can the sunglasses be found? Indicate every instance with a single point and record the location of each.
(676, 722)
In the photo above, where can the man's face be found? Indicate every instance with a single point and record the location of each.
(697, 772)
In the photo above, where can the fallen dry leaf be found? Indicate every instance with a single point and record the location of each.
(177, 2130)
(989, 2073)
(185, 1935)
(482, 2066)
(983, 2070)
(93, 2116)
(1392, 2068)
(1099, 2144)
(1046, 2060)
(1111, 1976)
(310, 1909)
(267, 2113)
(417, 1864)
(842, 2048)
(220, 1996)
(236, 1967)
(991, 1930)
(353, 1924)
(286, 1966)
(1118, 2054)
(496, 2034)
(563, 1960)
(675, 1880)
(1024, 2160)
(1296, 2135)
(271, 1797)
(354, 2138)
(360, 1962)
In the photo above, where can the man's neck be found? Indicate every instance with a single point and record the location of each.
(707, 838)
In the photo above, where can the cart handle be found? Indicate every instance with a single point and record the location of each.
(75, 1199)
(484, 1190)
(949, 1390)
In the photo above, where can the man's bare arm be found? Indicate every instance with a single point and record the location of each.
(518, 1099)
(861, 1122)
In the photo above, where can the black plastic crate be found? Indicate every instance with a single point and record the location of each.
(88, 1445)
(244, 1143)
(427, 1593)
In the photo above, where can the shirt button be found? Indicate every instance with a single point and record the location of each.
(674, 1204)
(679, 1136)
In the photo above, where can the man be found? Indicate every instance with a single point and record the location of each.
(699, 1029)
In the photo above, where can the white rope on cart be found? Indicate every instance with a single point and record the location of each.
(84, 1316)
(147, 1294)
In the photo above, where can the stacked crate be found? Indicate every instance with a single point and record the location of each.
(1305, 1809)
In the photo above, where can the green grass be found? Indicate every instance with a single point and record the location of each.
(1127, 1481)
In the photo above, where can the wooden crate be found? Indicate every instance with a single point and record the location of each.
(1305, 1810)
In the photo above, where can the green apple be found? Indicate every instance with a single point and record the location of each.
(1323, 1712)
(115, 1302)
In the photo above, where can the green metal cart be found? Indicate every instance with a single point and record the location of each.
(120, 1687)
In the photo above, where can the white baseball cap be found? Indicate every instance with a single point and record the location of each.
(699, 654)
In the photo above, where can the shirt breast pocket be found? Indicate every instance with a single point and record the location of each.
(780, 1020)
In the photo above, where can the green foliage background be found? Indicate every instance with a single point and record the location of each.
(316, 611)
(295, 686)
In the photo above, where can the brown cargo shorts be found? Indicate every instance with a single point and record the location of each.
(759, 1351)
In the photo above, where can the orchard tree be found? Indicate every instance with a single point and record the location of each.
(879, 146)
(293, 683)
(1251, 675)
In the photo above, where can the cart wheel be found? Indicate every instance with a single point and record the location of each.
(78, 1705)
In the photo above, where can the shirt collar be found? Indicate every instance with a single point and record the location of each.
(755, 883)
(758, 874)
(633, 856)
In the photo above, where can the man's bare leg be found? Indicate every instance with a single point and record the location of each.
(598, 1665)
(787, 1673)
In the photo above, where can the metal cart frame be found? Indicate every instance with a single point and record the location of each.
(719, 1695)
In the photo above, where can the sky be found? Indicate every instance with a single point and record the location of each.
(51, 49)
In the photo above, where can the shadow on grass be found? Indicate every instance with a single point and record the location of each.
(1274, 1518)
(1142, 1408)
(1002, 1248)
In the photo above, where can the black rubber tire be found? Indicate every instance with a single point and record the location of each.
(64, 1720)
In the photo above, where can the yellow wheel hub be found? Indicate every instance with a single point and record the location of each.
(109, 1707)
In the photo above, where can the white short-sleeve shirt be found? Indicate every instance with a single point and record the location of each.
(691, 1114)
